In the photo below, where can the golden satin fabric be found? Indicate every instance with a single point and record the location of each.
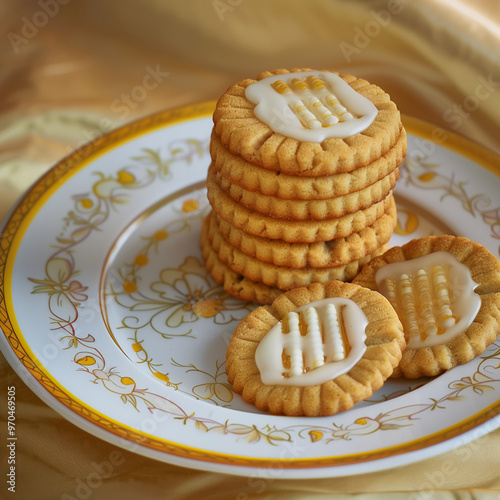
(71, 74)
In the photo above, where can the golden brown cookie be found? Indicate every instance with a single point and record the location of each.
(241, 173)
(233, 283)
(242, 133)
(307, 210)
(292, 231)
(321, 254)
(284, 278)
(447, 322)
(372, 359)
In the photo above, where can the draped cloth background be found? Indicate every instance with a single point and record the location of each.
(68, 70)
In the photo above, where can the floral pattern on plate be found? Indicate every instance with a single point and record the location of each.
(122, 292)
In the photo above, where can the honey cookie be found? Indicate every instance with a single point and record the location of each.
(307, 123)
(446, 291)
(284, 278)
(321, 254)
(233, 283)
(279, 361)
(241, 173)
(288, 230)
(307, 210)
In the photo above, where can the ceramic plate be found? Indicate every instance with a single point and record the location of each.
(111, 318)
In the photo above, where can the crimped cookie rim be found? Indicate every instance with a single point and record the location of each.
(370, 270)
(383, 236)
(319, 167)
(375, 314)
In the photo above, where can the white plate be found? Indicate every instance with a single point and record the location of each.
(110, 317)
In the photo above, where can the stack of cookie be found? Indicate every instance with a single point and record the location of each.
(301, 179)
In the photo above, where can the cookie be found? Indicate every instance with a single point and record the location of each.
(321, 254)
(303, 167)
(446, 291)
(284, 278)
(241, 173)
(307, 210)
(362, 343)
(233, 283)
(266, 123)
(287, 230)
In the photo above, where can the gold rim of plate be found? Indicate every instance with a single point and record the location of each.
(49, 183)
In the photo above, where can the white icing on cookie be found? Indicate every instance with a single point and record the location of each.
(433, 295)
(310, 105)
(315, 343)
